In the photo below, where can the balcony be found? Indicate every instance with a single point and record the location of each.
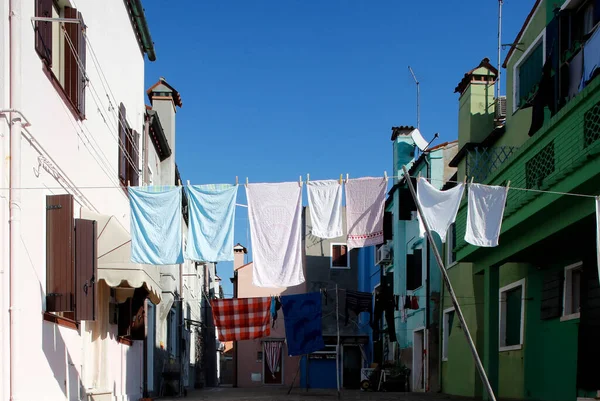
(482, 162)
(561, 156)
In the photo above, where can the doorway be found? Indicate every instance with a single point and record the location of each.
(419, 363)
(272, 362)
(351, 365)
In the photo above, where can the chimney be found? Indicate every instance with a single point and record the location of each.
(476, 103)
(404, 148)
(164, 100)
(238, 256)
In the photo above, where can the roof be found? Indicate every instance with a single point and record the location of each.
(163, 86)
(242, 266)
(521, 32)
(485, 63)
(397, 131)
(140, 26)
(157, 135)
(238, 246)
(488, 141)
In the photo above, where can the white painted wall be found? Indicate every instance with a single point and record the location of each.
(82, 154)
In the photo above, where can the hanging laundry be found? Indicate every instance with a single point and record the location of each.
(414, 302)
(241, 318)
(325, 205)
(365, 199)
(275, 306)
(591, 56)
(358, 302)
(542, 98)
(212, 215)
(156, 225)
(575, 74)
(303, 327)
(275, 214)
(484, 214)
(439, 207)
(273, 355)
(384, 305)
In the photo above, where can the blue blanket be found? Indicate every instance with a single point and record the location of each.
(303, 326)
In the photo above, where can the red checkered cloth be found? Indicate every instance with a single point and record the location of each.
(242, 318)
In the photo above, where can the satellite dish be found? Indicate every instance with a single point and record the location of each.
(421, 143)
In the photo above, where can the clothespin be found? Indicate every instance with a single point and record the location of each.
(188, 183)
(385, 175)
(465, 180)
(236, 180)
(300, 181)
(341, 179)
(307, 177)
(347, 177)
(246, 181)
(419, 176)
(179, 182)
(472, 179)
(507, 184)
(128, 183)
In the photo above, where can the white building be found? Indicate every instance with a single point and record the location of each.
(76, 300)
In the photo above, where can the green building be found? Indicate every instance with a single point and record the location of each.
(532, 303)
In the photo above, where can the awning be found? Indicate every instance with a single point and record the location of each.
(114, 258)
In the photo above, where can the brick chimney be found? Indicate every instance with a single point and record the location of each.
(239, 252)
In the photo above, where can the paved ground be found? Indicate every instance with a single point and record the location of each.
(280, 394)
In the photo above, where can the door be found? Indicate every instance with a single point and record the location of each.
(352, 364)
(418, 372)
(272, 362)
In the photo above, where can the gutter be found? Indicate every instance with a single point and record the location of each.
(137, 12)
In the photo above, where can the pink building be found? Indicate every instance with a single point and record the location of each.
(251, 367)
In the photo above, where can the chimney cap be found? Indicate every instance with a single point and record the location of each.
(401, 130)
(238, 248)
(163, 86)
(467, 78)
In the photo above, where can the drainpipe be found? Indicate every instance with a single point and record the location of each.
(427, 289)
(15, 192)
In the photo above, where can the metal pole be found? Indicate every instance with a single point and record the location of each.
(499, 48)
(337, 348)
(458, 311)
(418, 97)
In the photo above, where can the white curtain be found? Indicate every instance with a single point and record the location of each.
(273, 355)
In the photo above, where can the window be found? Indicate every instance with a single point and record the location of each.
(528, 72)
(62, 48)
(414, 270)
(339, 256)
(128, 151)
(451, 246)
(71, 261)
(572, 291)
(512, 315)
(447, 330)
(172, 332)
(259, 356)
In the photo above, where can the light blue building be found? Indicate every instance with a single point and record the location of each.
(417, 281)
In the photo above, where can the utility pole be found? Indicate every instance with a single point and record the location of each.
(500, 2)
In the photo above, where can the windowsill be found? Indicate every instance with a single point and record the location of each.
(125, 341)
(511, 348)
(444, 359)
(572, 316)
(59, 320)
(412, 292)
(451, 265)
(62, 92)
(340, 268)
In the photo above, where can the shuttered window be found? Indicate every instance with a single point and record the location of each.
(86, 264)
(60, 255)
(406, 204)
(128, 151)
(63, 51)
(530, 73)
(552, 295)
(414, 270)
(339, 256)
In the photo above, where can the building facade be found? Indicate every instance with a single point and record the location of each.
(535, 316)
(63, 139)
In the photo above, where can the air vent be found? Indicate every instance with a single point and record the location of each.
(501, 107)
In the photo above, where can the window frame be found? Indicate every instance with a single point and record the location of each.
(419, 247)
(331, 266)
(446, 332)
(515, 71)
(450, 245)
(502, 316)
(567, 312)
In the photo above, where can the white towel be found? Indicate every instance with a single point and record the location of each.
(484, 216)
(439, 207)
(325, 205)
(275, 214)
(365, 200)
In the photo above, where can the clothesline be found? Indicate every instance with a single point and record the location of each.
(242, 205)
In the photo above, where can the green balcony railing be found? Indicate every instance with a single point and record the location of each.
(563, 145)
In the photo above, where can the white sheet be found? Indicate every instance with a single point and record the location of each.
(439, 207)
(325, 205)
(365, 201)
(485, 212)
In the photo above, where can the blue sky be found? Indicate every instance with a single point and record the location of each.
(276, 89)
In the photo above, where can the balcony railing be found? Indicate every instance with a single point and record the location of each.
(482, 162)
(565, 143)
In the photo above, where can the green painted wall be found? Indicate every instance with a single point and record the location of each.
(476, 111)
(459, 375)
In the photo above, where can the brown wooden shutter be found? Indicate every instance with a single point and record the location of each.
(552, 295)
(81, 77)
(43, 31)
(71, 47)
(86, 265)
(134, 175)
(60, 255)
(122, 144)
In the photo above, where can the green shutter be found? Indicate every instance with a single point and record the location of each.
(513, 316)
(530, 73)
